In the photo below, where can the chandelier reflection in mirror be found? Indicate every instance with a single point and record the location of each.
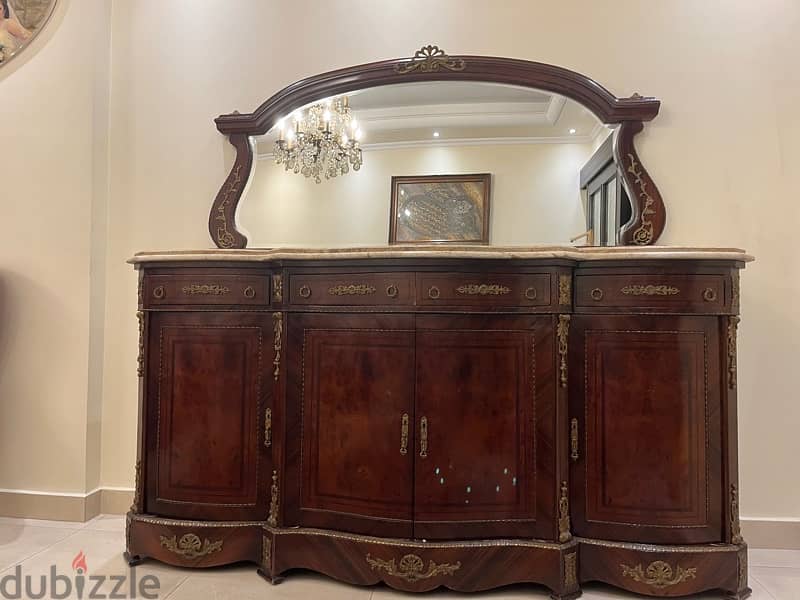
(322, 142)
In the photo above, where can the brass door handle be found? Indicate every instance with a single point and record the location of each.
(404, 434)
(573, 439)
(423, 437)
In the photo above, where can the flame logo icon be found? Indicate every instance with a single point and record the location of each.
(79, 563)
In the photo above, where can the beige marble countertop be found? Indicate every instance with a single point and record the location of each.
(582, 253)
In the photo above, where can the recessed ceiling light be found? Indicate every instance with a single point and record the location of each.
(435, 134)
(573, 130)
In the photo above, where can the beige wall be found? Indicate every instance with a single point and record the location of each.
(535, 195)
(722, 152)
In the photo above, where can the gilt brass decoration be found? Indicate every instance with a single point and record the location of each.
(483, 289)
(573, 439)
(735, 292)
(249, 292)
(643, 234)
(564, 290)
(710, 295)
(423, 437)
(140, 357)
(266, 551)
(392, 291)
(225, 238)
(404, 434)
(564, 534)
(742, 569)
(159, 292)
(562, 332)
(571, 570)
(272, 520)
(430, 58)
(733, 324)
(190, 546)
(736, 529)
(351, 289)
(411, 567)
(197, 289)
(277, 323)
(650, 290)
(305, 291)
(659, 574)
(268, 427)
(277, 288)
(137, 507)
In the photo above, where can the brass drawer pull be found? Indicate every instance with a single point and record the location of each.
(709, 295)
(159, 292)
(404, 434)
(268, 427)
(249, 292)
(205, 289)
(573, 439)
(530, 293)
(305, 291)
(650, 290)
(423, 437)
(392, 291)
(351, 289)
(596, 294)
(433, 292)
(483, 289)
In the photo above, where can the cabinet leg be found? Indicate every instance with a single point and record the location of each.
(273, 580)
(740, 595)
(132, 559)
(567, 596)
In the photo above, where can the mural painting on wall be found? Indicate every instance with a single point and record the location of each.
(20, 21)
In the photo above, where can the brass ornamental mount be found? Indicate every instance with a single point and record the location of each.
(573, 440)
(650, 290)
(483, 289)
(205, 289)
(562, 332)
(564, 533)
(190, 545)
(659, 574)
(277, 319)
(423, 437)
(430, 58)
(571, 570)
(272, 519)
(268, 427)
(411, 567)
(392, 291)
(277, 288)
(565, 290)
(351, 289)
(404, 434)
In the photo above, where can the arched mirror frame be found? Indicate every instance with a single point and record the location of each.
(430, 63)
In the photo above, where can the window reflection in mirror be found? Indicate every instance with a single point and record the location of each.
(533, 143)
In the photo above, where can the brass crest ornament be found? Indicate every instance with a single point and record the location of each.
(659, 574)
(483, 289)
(428, 59)
(351, 290)
(190, 546)
(411, 567)
(205, 289)
(650, 290)
(277, 288)
(564, 290)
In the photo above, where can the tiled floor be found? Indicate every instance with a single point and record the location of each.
(36, 545)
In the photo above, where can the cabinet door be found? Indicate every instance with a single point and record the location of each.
(350, 422)
(645, 393)
(204, 397)
(485, 427)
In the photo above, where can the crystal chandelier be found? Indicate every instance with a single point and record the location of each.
(323, 141)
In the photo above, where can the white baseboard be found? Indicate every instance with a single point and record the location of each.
(783, 533)
(64, 506)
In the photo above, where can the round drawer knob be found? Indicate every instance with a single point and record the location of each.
(392, 291)
(249, 292)
(530, 293)
(433, 292)
(305, 291)
(158, 292)
(596, 294)
(709, 295)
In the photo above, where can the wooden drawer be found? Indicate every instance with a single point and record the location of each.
(206, 287)
(351, 289)
(667, 292)
(483, 289)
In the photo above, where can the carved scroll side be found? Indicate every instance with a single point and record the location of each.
(222, 220)
(649, 214)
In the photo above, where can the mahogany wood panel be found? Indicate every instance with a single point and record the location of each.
(355, 387)
(483, 290)
(352, 289)
(212, 287)
(205, 459)
(645, 391)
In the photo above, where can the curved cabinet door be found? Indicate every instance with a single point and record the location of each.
(645, 393)
(485, 413)
(349, 407)
(206, 386)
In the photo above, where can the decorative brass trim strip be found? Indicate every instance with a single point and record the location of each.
(643, 234)
(277, 288)
(565, 290)
(423, 437)
(205, 289)
(736, 529)
(650, 290)
(140, 356)
(404, 434)
(564, 534)
(266, 551)
(272, 520)
(659, 574)
(136, 507)
(268, 427)
(277, 325)
(573, 439)
(190, 546)
(742, 565)
(571, 570)
(428, 59)
(411, 567)
(164, 522)
(658, 549)
(733, 325)
(351, 289)
(483, 289)
(562, 332)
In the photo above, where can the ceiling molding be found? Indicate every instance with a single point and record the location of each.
(555, 108)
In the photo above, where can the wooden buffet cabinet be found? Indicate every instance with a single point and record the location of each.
(468, 417)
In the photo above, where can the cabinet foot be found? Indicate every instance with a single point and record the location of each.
(273, 580)
(132, 559)
(740, 595)
(567, 596)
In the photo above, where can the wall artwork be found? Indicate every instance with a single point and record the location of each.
(440, 208)
(20, 21)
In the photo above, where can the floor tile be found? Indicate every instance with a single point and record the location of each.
(597, 591)
(42, 523)
(512, 592)
(21, 541)
(106, 523)
(782, 583)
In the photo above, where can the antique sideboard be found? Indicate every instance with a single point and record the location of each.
(467, 417)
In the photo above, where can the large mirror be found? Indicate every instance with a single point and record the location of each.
(439, 149)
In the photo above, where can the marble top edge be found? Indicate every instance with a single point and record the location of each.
(438, 251)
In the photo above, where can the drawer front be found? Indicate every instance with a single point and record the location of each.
(206, 288)
(352, 289)
(483, 289)
(668, 293)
